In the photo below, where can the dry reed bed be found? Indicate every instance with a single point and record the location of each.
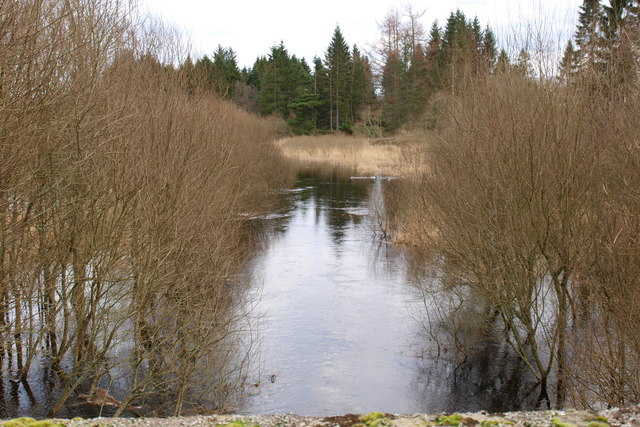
(367, 156)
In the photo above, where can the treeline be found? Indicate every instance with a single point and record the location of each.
(348, 88)
(123, 189)
(526, 205)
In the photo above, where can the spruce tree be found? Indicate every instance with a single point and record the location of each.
(226, 71)
(569, 63)
(322, 114)
(433, 57)
(361, 87)
(503, 64)
(283, 79)
(338, 63)
(588, 33)
(489, 48)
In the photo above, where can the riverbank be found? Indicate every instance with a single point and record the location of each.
(567, 418)
(381, 156)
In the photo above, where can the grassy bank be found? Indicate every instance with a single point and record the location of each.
(366, 156)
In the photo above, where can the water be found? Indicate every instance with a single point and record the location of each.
(341, 325)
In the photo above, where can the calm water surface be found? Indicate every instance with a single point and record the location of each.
(340, 323)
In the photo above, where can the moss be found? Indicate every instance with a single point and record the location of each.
(556, 421)
(374, 419)
(597, 424)
(45, 423)
(29, 422)
(18, 422)
(599, 418)
(449, 420)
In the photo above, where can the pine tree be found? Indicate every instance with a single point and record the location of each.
(392, 89)
(523, 63)
(361, 85)
(417, 87)
(569, 63)
(588, 33)
(434, 58)
(322, 114)
(489, 49)
(226, 71)
(204, 75)
(503, 64)
(282, 79)
(620, 34)
(458, 52)
(338, 63)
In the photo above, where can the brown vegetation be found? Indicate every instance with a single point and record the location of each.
(120, 195)
(530, 214)
(367, 156)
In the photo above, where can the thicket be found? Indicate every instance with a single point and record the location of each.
(122, 185)
(528, 209)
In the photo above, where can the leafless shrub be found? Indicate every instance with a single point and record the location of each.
(121, 196)
(527, 201)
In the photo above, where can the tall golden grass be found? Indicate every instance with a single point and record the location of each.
(365, 155)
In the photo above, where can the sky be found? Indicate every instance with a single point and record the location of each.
(251, 27)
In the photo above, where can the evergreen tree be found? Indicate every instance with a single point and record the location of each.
(417, 87)
(226, 71)
(503, 64)
(204, 75)
(613, 18)
(304, 107)
(458, 51)
(322, 114)
(434, 58)
(489, 49)
(361, 86)
(523, 63)
(188, 76)
(338, 63)
(588, 33)
(284, 81)
(394, 108)
(569, 63)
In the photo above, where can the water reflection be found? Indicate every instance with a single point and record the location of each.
(341, 325)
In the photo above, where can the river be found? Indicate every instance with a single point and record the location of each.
(342, 322)
(342, 325)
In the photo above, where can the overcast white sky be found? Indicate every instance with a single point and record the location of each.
(251, 27)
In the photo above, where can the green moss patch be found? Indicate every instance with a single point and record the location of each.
(494, 423)
(30, 422)
(598, 418)
(373, 419)
(556, 421)
(448, 420)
